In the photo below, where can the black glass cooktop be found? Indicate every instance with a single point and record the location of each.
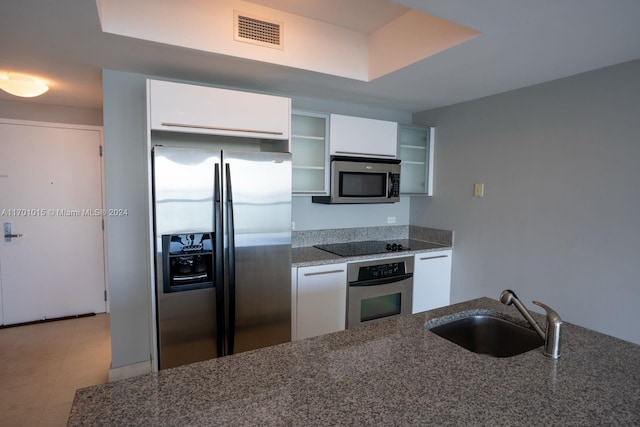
(368, 247)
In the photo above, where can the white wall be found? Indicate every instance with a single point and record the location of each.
(208, 26)
(560, 218)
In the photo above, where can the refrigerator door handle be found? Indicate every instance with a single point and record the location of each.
(232, 263)
(219, 266)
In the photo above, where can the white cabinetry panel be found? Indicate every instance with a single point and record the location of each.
(309, 150)
(322, 300)
(431, 280)
(180, 107)
(357, 136)
(415, 150)
(294, 305)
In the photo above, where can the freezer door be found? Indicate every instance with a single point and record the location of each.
(186, 327)
(258, 221)
(183, 181)
(184, 204)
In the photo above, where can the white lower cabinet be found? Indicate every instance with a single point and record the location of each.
(321, 304)
(319, 293)
(431, 280)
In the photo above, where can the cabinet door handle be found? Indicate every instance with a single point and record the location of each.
(434, 257)
(323, 272)
(183, 125)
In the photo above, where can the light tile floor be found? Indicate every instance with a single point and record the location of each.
(42, 365)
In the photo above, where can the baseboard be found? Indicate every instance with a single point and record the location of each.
(128, 371)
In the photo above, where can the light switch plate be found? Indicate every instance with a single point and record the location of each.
(478, 190)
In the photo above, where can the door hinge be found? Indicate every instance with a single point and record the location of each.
(100, 150)
(105, 295)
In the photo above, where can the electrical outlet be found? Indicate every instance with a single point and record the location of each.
(293, 225)
(478, 190)
(391, 220)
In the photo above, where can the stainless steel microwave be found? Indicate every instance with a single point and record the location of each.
(362, 180)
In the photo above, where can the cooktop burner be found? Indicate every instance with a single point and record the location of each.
(368, 247)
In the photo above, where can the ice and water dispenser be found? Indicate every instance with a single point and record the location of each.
(187, 261)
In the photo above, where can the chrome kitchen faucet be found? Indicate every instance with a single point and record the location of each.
(552, 336)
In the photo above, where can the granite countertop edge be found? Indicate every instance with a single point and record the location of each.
(311, 256)
(389, 372)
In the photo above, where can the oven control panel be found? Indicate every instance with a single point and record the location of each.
(380, 271)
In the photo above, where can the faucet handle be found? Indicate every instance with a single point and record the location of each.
(552, 316)
(552, 336)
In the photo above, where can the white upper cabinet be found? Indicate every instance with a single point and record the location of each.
(180, 107)
(309, 150)
(357, 136)
(415, 150)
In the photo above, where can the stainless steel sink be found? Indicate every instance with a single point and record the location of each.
(486, 334)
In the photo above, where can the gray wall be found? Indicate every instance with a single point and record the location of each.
(125, 166)
(28, 110)
(313, 216)
(126, 187)
(560, 218)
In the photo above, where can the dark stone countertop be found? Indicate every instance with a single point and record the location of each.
(308, 256)
(390, 372)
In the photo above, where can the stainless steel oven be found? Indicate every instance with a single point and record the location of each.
(379, 289)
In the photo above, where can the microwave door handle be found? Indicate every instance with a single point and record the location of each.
(389, 185)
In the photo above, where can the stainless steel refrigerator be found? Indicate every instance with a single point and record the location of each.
(222, 225)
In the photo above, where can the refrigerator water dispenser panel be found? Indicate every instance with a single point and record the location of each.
(188, 261)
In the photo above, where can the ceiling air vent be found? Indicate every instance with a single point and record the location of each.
(258, 31)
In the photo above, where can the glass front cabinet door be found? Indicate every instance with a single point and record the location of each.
(415, 150)
(309, 150)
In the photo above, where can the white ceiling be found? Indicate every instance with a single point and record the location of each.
(523, 42)
(364, 16)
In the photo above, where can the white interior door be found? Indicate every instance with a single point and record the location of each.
(51, 194)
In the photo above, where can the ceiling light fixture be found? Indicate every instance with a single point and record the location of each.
(22, 85)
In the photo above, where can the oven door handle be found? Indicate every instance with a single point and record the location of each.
(382, 281)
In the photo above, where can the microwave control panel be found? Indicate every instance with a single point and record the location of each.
(394, 191)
